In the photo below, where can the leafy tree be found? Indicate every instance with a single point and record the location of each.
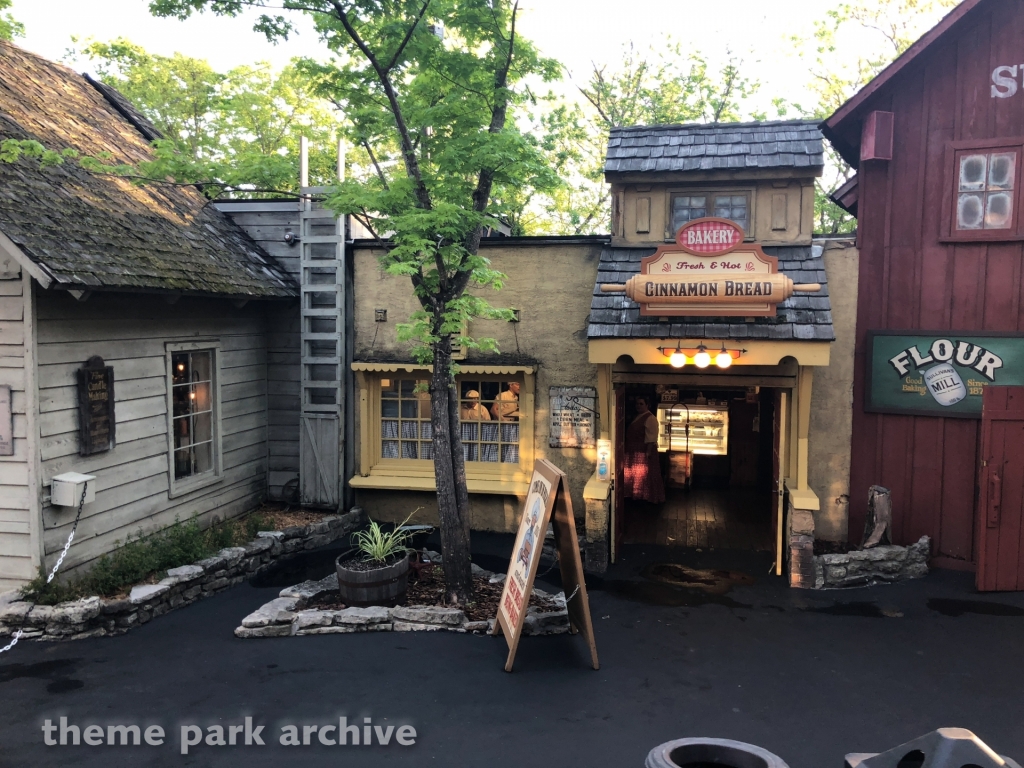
(648, 87)
(10, 28)
(233, 132)
(430, 88)
(850, 45)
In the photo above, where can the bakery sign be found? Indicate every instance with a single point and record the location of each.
(709, 271)
(939, 373)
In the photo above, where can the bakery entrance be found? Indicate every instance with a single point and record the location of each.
(697, 467)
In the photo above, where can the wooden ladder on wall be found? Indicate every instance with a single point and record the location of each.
(322, 409)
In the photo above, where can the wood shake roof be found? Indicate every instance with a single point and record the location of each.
(716, 146)
(86, 231)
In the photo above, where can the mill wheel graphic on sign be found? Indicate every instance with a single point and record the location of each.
(709, 271)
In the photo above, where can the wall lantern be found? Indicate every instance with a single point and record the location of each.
(679, 356)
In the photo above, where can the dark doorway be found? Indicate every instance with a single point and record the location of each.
(715, 456)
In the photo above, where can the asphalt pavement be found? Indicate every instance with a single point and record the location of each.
(809, 676)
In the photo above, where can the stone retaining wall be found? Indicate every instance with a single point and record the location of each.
(883, 564)
(97, 616)
(286, 615)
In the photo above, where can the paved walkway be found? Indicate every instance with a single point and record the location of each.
(809, 676)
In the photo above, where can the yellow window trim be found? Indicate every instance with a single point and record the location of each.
(648, 352)
(418, 474)
(516, 485)
(490, 370)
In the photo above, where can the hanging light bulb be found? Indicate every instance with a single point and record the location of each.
(677, 359)
(702, 359)
(723, 359)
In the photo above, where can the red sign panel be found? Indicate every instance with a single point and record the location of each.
(710, 237)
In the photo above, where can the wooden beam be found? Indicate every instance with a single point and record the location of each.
(10, 249)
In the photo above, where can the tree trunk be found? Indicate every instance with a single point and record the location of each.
(450, 476)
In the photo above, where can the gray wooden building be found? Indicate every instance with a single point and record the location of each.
(197, 323)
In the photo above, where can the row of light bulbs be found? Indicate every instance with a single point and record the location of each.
(702, 359)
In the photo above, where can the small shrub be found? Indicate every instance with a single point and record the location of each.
(140, 557)
(378, 545)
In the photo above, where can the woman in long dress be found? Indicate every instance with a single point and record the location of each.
(642, 469)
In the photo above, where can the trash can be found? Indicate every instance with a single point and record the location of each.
(711, 753)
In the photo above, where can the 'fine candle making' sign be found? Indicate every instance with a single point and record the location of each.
(940, 373)
(709, 271)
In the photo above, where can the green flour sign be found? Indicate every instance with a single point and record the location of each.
(939, 373)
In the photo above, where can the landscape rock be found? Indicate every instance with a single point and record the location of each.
(374, 614)
(417, 614)
(477, 626)
(186, 572)
(308, 619)
(258, 546)
(78, 611)
(878, 565)
(146, 592)
(280, 630)
(407, 626)
(278, 611)
(498, 578)
(309, 589)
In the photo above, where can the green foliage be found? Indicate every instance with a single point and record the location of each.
(10, 28)
(141, 557)
(852, 44)
(661, 85)
(236, 131)
(377, 545)
(12, 150)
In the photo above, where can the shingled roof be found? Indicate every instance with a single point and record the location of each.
(715, 146)
(90, 232)
(802, 316)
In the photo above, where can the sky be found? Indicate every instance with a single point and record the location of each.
(576, 32)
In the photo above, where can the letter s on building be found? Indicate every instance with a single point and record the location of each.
(1004, 82)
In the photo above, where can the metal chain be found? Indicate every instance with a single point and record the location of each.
(78, 516)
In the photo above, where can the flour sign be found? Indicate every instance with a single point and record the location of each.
(709, 272)
(940, 373)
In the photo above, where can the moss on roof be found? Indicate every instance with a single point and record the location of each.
(89, 231)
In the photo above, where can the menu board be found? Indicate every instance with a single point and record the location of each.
(96, 422)
(548, 501)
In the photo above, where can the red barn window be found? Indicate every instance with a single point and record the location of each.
(984, 203)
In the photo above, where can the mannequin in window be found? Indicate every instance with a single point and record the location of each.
(506, 404)
(471, 409)
(642, 466)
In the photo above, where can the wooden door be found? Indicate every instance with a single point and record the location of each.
(618, 493)
(318, 461)
(778, 479)
(1001, 480)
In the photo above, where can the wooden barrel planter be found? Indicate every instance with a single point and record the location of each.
(374, 586)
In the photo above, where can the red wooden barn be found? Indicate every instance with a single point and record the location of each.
(938, 140)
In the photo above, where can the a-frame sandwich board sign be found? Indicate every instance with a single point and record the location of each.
(547, 501)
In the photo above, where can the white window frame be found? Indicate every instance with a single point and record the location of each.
(193, 483)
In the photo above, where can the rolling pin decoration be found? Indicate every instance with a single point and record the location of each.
(724, 288)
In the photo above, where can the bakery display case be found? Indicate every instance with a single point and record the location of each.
(695, 429)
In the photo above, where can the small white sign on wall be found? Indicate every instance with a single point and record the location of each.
(6, 423)
(573, 417)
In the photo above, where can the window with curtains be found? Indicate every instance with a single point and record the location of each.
(193, 416)
(489, 419)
